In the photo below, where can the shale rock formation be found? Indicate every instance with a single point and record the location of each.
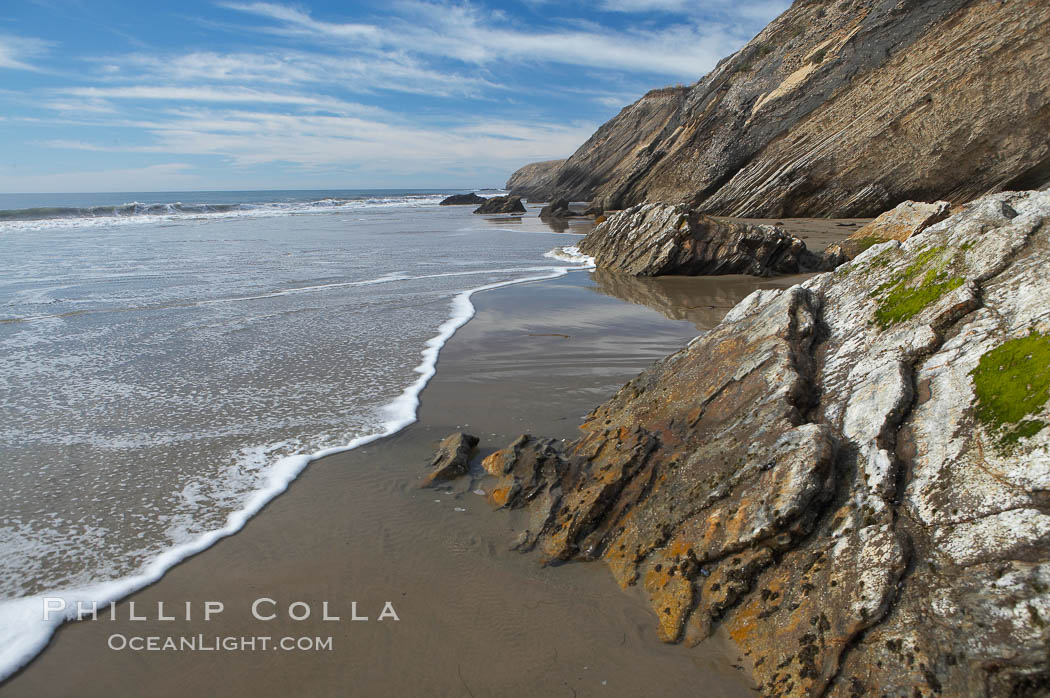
(659, 239)
(502, 204)
(838, 109)
(849, 476)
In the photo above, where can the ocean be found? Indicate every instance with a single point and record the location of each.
(170, 362)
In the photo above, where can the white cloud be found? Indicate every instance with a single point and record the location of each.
(153, 178)
(196, 94)
(612, 101)
(645, 5)
(358, 73)
(290, 104)
(16, 51)
(297, 19)
(97, 97)
(249, 138)
(753, 10)
(79, 106)
(468, 34)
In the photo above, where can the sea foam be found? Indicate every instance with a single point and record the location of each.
(571, 254)
(138, 213)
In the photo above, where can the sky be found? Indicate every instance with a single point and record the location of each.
(108, 95)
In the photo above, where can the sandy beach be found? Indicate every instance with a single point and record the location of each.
(474, 617)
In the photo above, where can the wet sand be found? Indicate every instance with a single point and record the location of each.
(817, 233)
(475, 618)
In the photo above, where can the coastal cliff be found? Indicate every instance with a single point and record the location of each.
(835, 109)
(535, 179)
(848, 476)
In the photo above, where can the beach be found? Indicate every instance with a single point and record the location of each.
(474, 618)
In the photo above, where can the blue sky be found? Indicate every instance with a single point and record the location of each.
(106, 95)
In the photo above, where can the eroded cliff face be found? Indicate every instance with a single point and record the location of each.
(840, 109)
(850, 476)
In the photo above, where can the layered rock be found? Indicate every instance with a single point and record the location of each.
(463, 200)
(502, 204)
(839, 110)
(848, 476)
(660, 239)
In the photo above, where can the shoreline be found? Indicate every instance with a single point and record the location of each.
(19, 650)
(629, 324)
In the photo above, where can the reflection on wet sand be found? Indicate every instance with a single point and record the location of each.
(502, 220)
(531, 219)
(580, 225)
(701, 300)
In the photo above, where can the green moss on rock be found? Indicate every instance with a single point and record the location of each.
(905, 302)
(901, 298)
(863, 244)
(1012, 383)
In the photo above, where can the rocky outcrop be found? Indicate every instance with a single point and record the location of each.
(907, 219)
(502, 204)
(839, 110)
(849, 476)
(558, 208)
(659, 239)
(533, 180)
(452, 458)
(463, 200)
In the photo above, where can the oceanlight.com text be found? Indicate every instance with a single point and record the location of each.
(217, 643)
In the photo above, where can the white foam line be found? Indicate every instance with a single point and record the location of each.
(24, 632)
(368, 282)
(389, 278)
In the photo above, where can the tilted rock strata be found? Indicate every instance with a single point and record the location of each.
(660, 239)
(832, 473)
(840, 110)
